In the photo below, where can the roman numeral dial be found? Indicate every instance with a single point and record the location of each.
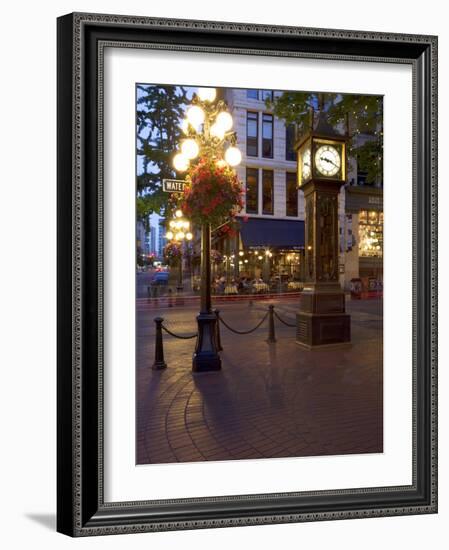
(327, 160)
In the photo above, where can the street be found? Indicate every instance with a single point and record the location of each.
(269, 400)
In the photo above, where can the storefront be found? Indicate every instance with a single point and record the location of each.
(363, 247)
(263, 250)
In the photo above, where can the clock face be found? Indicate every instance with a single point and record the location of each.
(327, 160)
(306, 165)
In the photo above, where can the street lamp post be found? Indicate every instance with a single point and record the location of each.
(178, 233)
(208, 135)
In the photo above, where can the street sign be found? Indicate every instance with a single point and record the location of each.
(173, 186)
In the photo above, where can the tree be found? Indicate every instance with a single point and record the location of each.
(159, 111)
(361, 113)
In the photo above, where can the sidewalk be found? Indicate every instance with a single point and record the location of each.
(269, 400)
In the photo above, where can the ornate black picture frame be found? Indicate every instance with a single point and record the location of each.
(81, 510)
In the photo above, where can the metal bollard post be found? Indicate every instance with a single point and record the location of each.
(159, 362)
(217, 329)
(271, 334)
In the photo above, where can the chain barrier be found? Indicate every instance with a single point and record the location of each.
(242, 331)
(182, 336)
(159, 362)
(284, 322)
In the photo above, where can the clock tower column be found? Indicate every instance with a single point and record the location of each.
(322, 320)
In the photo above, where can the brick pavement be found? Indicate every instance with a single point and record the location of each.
(269, 400)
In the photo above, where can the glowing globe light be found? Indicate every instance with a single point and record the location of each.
(186, 224)
(190, 149)
(189, 236)
(172, 223)
(169, 235)
(195, 115)
(217, 131)
(180, 235)
(207, 94)
(233, 156)
(224, 119)
(180, 162)
(178, 213)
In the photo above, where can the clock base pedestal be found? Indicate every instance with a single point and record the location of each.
(322, 322)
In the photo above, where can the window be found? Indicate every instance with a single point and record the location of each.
(252, 187)
(291, 194)
(290, 142)
(361, 177)
(267, 94)
(252, 134)
(267, 136)
(371, 225)
(252, 94)
(267, 191)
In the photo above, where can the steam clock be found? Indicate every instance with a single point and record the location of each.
(322, 162)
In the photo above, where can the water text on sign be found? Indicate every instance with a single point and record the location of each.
(173, 186)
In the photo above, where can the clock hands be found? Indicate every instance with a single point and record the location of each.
(329, 160)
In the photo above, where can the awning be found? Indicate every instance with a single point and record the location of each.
(272, 233)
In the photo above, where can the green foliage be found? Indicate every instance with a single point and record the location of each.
(370, 160)
(363, 115)
(147, 204)
(159, 111)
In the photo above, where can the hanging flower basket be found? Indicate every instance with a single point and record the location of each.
(212, 193)
(172, 252)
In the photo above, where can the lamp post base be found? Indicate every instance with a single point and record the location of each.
(206, 357)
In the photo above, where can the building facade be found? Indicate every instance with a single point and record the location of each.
(140, 237)
(160, 242)
(152, 240)
(271, 242)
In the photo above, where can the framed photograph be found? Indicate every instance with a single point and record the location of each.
(247, 276)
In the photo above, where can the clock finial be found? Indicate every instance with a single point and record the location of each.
(323, 128)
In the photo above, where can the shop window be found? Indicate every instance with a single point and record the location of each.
(361, 177)
(252, 195)
(267, 135)
(290, 142)
(291, 194)
(267, 95)
(252, 134)
(267, 191)
(370, 233)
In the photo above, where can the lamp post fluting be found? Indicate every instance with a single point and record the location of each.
(209, 138)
